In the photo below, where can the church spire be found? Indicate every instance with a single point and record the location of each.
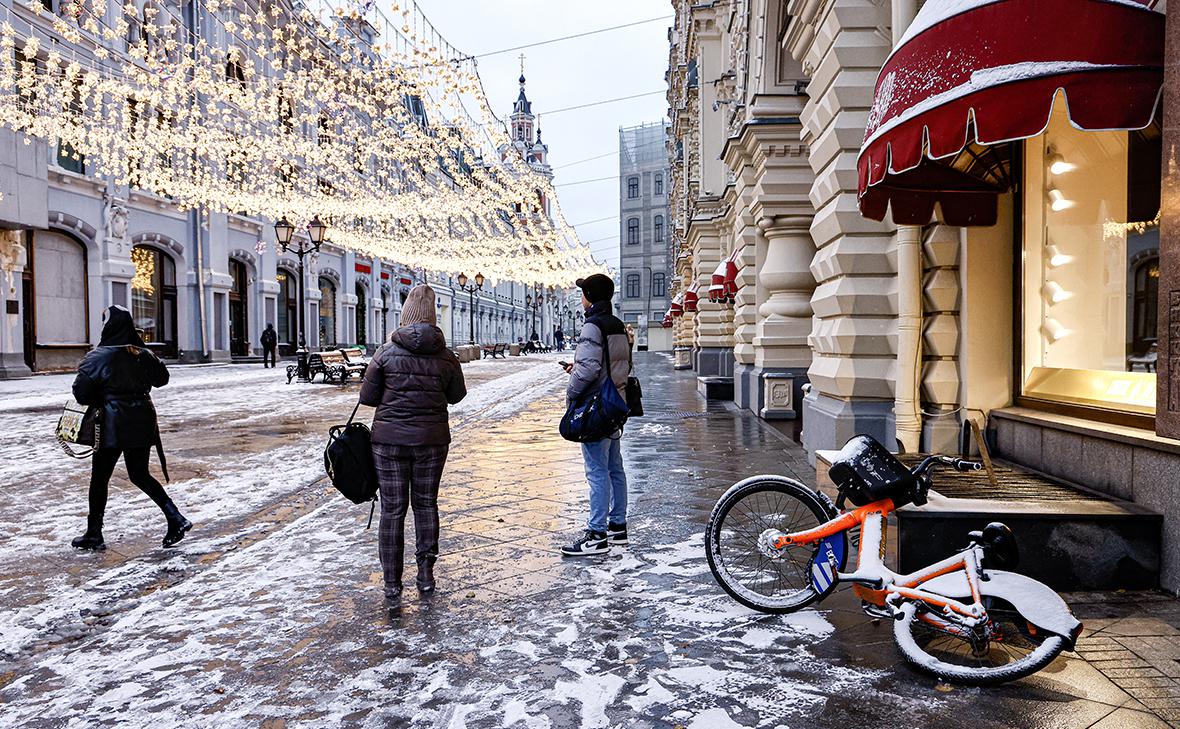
(523, 105)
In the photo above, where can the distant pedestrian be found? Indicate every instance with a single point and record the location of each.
(270, 342)
(559, 339)
(410, 381)
(117, 377)
(602, 338)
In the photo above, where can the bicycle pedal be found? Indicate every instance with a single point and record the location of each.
(876, 611)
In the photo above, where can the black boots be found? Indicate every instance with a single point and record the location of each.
(177, 524)
(426, 575)
(92, 539)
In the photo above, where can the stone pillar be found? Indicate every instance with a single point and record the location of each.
(12, 341)
(781, 345)
(855, 300)
(745, 304)
(1167, 419)
(713, 340)
(942, 300)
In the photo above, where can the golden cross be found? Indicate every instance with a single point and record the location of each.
(522, 64)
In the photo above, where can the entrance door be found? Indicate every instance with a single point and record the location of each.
(30, 335)
(239, 329)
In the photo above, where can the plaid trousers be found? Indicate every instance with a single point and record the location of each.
(408, 476)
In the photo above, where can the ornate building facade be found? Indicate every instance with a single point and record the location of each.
(201, 287)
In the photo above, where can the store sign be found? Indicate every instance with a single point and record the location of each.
(362, 268)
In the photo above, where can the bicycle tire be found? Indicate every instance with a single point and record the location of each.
(1037, 659)
(819, 506)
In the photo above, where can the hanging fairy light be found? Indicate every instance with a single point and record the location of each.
(295, 116)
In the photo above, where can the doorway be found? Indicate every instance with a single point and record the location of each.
(239, 323)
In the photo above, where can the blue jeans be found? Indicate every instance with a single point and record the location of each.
(608, 483)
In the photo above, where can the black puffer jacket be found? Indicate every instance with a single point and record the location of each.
(120, 382)
(411, 381)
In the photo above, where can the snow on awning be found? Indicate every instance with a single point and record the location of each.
(988, 71)
(677, 307)
(690, 300)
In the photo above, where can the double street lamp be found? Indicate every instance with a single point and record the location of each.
(534, 303)
(476, 286)
(284, 233)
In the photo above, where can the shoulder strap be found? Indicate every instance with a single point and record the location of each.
(350, 417)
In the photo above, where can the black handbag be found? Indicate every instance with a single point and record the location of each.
(634, 397)
(598, 415)
(348, 459)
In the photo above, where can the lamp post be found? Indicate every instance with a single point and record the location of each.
(475, 286)
(534, 303)
(284, 233)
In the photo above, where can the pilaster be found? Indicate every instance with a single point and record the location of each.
(942, 301)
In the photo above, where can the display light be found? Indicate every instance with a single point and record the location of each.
(1058, 165)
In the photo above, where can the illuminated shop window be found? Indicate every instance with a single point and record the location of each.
(1091, 266)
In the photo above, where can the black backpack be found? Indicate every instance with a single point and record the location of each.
(348, 459)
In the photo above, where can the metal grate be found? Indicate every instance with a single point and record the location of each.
(1015, 484)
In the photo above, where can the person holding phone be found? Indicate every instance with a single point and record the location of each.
(117, 377)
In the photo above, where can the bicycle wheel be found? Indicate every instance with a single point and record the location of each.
(1005, 649)
(754, 574)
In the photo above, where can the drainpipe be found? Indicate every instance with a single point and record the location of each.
(906, 406)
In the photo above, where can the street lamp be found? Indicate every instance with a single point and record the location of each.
(284, 234)
(476, 286)
(534, 303)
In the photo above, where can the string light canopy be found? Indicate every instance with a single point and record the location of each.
(338, 114)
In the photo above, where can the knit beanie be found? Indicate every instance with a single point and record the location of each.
(419, 307)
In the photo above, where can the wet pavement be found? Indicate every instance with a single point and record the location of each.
(270, 614)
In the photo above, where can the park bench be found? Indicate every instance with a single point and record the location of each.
(355, 362)
(495, 350)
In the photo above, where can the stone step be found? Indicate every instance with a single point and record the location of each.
(715, 388)
(1070, 538)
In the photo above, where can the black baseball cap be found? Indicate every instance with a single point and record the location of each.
(598, 287)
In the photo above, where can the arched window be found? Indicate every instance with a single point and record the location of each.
(632, 187)
(59, 285)
(658, 285)
(327, 313)
(288, 313)
(1145, 303)
(153, 298)
(632, 231)
(658, 229)
(632, 286)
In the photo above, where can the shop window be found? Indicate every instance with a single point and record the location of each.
(153, 299)
(59, 282)
(327, 313)
(1091, 266)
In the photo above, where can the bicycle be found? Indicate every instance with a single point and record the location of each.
(777, 546)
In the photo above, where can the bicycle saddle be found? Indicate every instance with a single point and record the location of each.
(1000, 550)
(864, 471)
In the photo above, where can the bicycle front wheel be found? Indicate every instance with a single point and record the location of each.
(759, 577)
(1005, 649)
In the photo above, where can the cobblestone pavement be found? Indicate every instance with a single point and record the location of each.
(270, 614)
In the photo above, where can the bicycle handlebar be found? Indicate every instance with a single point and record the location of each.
(959, 464)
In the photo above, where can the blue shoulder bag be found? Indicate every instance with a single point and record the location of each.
(599, 414)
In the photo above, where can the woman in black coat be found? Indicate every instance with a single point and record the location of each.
(410, 381)
(117, 377)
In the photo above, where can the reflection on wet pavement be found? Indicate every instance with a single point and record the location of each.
(277, 616)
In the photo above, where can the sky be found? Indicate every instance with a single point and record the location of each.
(598, 67)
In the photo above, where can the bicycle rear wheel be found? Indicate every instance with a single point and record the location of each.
(1006, 649)
(771, 581)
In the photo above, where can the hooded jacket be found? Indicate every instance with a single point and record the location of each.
(410, 381)
(118, 376)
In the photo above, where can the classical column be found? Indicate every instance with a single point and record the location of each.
(1167, 419)
(942, 298)
(12, 341)
(745, 303)
(781, 345)
(713, 339)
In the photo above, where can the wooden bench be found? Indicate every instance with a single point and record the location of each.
(355, 362)
(495, 350)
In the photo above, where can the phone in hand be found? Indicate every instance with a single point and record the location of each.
(564, 364)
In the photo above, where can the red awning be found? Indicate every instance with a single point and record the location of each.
(988, 71)
(677, 307)
(731, 272)
(690, 300)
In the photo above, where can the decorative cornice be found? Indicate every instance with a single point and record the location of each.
(158, 240)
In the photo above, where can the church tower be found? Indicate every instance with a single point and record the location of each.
(525, 129)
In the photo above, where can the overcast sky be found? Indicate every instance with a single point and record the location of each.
(569, 73)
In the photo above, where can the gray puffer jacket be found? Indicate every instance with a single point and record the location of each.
(588, 375)
(411, 381)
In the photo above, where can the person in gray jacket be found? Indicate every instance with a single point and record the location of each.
(603, 340)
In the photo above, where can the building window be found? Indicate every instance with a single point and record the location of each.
(153, 298)
(288, 307)
(658, 287)
(327, 313)
(632, 231)
(632, 187)
(658, 232)
(1091, 266)
(659, 184)
(632, 286)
